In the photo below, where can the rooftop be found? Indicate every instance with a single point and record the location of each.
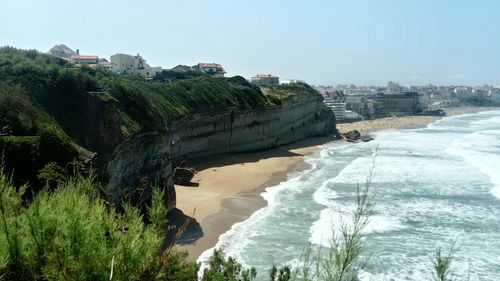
(209, 65)
(265, 76)
(62, 48)
(76, 57)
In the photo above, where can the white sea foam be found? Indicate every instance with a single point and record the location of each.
(474, 149)
(328, 227)
(235, 240)
(432, 192)
(491, 121)
(325, 193)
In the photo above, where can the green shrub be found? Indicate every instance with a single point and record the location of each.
(158, 210)
(72, 234)
(442, 265)
(52, 175)
(20, 157)
(17, 111)
(227, 269)
(55, 146)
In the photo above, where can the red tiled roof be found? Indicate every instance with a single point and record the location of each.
(217, 66)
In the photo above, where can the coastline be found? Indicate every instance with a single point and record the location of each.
(230, 185)
(218, 203)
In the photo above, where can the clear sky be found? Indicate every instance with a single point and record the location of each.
(364, 42)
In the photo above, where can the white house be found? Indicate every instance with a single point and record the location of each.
(265, 79)
(495, 95)
(128, 64)
(212, 69)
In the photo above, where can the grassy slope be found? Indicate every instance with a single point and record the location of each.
(60, 105)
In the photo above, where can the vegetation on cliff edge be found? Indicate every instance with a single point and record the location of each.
(53, 107)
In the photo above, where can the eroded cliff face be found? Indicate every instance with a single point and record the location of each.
(298, 117)
(139, 164)
(147, 158)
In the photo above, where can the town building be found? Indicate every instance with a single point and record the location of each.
(84, 60)
(462, 92)
(213, 69)
(265, 80)
(129, 64)
(397, 104)
(292, 81)
(181, 68)
(481, 93)
(495, 95)
(439, 105)
(64, 52)
(360, 104)
(61, 51)
(337, 96)
(339, 109)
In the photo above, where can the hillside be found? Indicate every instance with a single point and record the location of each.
(57, 110)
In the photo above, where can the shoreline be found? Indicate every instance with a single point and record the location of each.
(230, 185)
(221, 203)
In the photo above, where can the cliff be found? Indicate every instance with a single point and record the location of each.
(149, 157)
(298, 116)
(138, 129)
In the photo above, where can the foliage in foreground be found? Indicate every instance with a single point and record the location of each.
(226, 269)
(72, 234)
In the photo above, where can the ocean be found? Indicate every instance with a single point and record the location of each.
(433, 187)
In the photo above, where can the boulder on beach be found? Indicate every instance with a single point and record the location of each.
(366, 138)
(352, 135)
(183, 174)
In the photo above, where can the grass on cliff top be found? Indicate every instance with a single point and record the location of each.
(67, 92)
(177, 99)
(278, 93)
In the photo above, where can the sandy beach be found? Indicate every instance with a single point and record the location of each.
(406, 122)
(229, 186)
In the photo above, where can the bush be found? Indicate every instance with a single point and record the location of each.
(20, 157)
(17, 111)
(52, 175)
(226, 269)
(72, 234)
(55, 146)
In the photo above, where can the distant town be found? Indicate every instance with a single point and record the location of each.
(348, 102)
(354, 103)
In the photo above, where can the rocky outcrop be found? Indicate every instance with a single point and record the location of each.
(352, 135)
(366, 138)
(183, 174)
(138, 164)
(146, 159)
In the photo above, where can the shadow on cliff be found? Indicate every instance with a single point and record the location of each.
(255, 156)
(177, 221)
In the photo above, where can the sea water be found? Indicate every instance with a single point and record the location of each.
(433, 187)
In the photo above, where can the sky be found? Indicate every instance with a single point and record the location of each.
(324, 42)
